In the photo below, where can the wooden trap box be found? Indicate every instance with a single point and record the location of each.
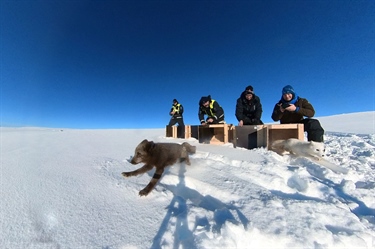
(256, 136)
(284, 131)
(177, 132)
(250, 136)
(213, 134)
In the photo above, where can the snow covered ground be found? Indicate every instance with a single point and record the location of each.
(62, 188)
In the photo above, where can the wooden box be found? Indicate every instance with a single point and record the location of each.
(283, 131)
(176, 131)
(256, 136)
(250, 136)
(171, 131)
(215, 133)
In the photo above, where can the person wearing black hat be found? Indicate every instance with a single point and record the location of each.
(176, 117)
(211, 108)
(249, 108)
(292, 109)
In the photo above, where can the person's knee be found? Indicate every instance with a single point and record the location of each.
(312, 124)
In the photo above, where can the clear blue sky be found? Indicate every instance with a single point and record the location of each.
(119, 64)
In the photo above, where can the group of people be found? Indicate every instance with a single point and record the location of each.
(289, 109)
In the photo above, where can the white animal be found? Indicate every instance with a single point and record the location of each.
(311, 149)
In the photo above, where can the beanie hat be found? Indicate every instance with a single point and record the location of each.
(249, 88)
(249, 92)
(288, 89)
(205, 99)
(175, 101)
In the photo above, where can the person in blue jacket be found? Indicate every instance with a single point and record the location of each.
(292, 109)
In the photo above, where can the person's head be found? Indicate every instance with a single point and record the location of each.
(205, 101)
(175, 102)
(249, 88)
(249, 94)
(288, 93)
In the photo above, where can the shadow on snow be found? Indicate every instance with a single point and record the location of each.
(178, 209)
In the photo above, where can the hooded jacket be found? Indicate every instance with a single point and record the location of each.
(214, 110)
(249, 111)
(178, 109)
(304, 109)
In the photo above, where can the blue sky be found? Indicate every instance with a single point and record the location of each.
(119, 64)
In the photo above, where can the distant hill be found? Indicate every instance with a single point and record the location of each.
(359, 123)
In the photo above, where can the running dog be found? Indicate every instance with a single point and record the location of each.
(158, 155)
(298, 147)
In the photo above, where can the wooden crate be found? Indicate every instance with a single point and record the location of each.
(283, 131)
(175, 132)
(250, 136)
(256, 136)
(171, 131)
(215, 133)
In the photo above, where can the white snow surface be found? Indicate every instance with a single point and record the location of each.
(63, 188)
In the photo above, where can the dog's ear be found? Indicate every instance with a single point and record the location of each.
(144, 141)
(150, 146)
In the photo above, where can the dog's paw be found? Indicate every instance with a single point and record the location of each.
(125, 174)
(129, 159)
(143, 192)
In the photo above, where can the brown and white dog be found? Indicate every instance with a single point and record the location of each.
(158, 155)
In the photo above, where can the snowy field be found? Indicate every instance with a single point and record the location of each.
(63, 188)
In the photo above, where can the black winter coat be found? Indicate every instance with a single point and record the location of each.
(249, 111)
(179, 111)
(216, 112)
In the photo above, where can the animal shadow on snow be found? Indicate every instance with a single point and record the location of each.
(317, 174)
(361, 211)
(178, 209)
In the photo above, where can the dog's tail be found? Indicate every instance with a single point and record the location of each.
(189, 148)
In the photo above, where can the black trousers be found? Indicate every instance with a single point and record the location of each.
(314, 130)
(180, 127)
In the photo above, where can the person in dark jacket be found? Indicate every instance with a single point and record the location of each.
(248, 108)
(176, 117)
(292, 109)
(176, 114)
(211, 108)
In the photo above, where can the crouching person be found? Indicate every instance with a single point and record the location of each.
(211, 108)
(292, 109)
(248, 108)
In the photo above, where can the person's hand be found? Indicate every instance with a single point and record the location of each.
(210, 120)
(240, 123)
(204, 123)
(291, 108)
(281, 108)
(173, 112)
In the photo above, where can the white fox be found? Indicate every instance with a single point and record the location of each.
(298, 147)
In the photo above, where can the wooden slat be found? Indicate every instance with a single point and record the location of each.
(283, 126)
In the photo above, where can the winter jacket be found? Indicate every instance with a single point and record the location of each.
(178, 109)
(304, 109)
(214, 111)
(249, 111)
